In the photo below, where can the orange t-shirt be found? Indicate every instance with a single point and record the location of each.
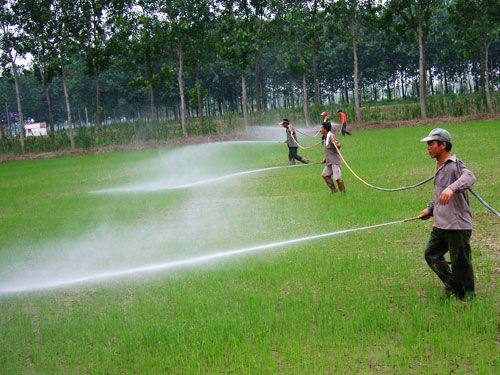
(343, 118)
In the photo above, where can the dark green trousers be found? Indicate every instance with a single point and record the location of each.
(460, 278)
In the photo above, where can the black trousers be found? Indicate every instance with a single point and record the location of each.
(461, 276)
(292, 154)
(344, 131)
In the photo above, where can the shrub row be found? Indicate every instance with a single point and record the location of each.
(144, 131)
(122, 133)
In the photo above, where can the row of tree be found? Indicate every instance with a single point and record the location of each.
(224, 50)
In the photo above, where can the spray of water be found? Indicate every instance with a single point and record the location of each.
(197, 165)
(157, 186)
(58, 283)
(186, 167)
(180, 233)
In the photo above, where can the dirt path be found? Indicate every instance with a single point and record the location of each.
(239, 136)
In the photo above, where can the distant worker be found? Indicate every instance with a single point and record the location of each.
(343, 122)
(452, 227)
(291, 141)
(332, 159)
(325, 119)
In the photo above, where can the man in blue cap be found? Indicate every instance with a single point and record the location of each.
(452, 217)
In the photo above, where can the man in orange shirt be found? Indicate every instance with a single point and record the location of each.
(343, 121)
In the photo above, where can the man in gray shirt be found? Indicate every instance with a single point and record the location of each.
(291, 141)
(332, 159)
(452, 217)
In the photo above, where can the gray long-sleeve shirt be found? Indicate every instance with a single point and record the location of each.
(332, 155)
(289, 140)
(456, 214)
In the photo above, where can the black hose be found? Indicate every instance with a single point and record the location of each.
(402, 188)
(484, 202)
(475, 194)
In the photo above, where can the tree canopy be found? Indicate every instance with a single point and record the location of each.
(92, 61)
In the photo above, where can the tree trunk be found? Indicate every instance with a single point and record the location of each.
(257, 81)
(265, 98)
(315, 73)
(485, 80)
(345, 94)
(8, 119)
(19, 107)
(403, 94)
(431, 82)
(389, 95)
(243, 76)
(181, 93)
(198, 92)
(445, 79)
(244, 98)
(355, 59)
(18, 95)
(421, 69)
(97, 101)
(149, 73)
(49, 105)
(152, 101)
(304, 90)
(68, 107)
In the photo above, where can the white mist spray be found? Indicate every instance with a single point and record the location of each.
(119, 273)
(186, 234)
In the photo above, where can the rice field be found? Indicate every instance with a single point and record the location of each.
(179, 261)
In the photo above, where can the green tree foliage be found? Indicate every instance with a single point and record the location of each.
(12, 40)
(477, 23)
(414, 16)
(244, 56)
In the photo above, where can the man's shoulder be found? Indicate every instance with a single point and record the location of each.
(453, 160)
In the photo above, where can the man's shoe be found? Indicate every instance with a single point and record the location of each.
(449, 289)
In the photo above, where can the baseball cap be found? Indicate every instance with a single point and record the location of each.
(437, 134)
(285, 121)
(323, 114)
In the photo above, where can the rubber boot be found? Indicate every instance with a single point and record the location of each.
(304, 160)
(341, 186)
(330, 184)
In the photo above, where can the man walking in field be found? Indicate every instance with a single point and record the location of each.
(332, 159)
(452, 217)
(343, 122)
(291, 141)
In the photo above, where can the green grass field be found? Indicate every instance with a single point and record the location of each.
(361, 302)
